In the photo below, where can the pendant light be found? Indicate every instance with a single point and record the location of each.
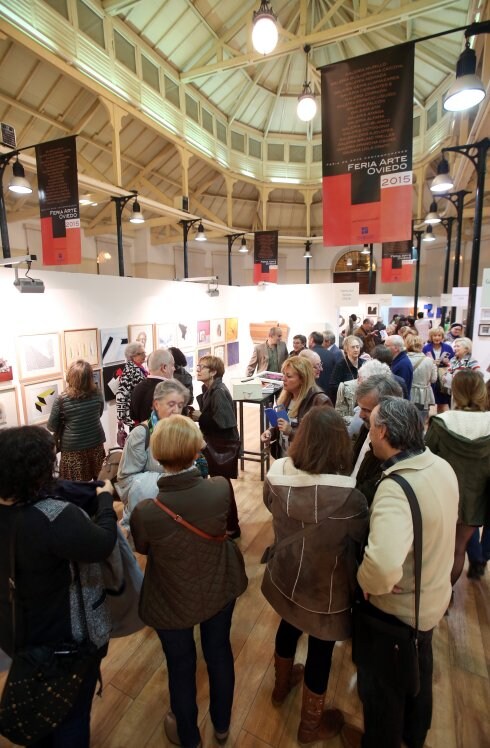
(467, 90)
(307, 255)
(348, 262)
(264, 32)
(365, 250)
(201, 234)
(243, 246)
(306, 108)
(428, 236)
(137, 215)
(443, 182)
(432, 216)
(19, 184)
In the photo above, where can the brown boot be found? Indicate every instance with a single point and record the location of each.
(317, 724)
(351, 737)
(288, 676)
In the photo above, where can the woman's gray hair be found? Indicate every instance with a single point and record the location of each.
(132, 350)
(397, 340)
(466, 342)
(170, 385)
(352, 339)
(401, 419)
(383, 385)
(371, 368)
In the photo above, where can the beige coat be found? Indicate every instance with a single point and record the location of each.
(260, 357)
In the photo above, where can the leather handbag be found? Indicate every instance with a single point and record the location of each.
(394, 645)
(43, 681)
(110, 466)
(123, 580)
(222, 456)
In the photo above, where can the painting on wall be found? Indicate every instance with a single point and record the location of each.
(217, 331)
(372, 310)
(110, 378)
(9, 408)
(6, 374)
(232, 354)
(185, 336)
(113, 341)
(81, 344)
(219, 352)
(165, 335)
(142, 334)
(39, 356)
(203, 332)
(38, 399)
(201, 352)
(231, 329)
(190, 363)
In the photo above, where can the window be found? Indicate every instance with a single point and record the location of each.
(171, 91)
(297, 154)
(221, 131)
(275, 152)
(238, 141)
(124, 51)
(432, 115)
(60, 6)
(90, 23)
(254, 148)
(416, 127)
(317, 153)
(150, 73)
(191, 108)
(207, 120)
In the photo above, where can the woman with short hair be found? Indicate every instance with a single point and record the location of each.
(193, 576)
(76, 415)
(348, 367)
(441, 353)
(320, 520)
(132, 374)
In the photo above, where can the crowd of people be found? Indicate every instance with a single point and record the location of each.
(360, 469)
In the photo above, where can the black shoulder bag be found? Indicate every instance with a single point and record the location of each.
(44, 680)
(397, 648)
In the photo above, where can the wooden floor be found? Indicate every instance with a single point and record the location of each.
(135, 699)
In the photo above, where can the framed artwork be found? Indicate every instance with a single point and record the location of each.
(185, 335)
(6, 374)
(232, 354)
(190, 362)
(165, 336)
(98, 378)
(142, 334)
(231, 329)
(484, 315)
(219, 351)
(372, 310)
(39, 356)
(217, 331)
(81, 344)
(9, 408)
(110, 376)
(484, 330)
(203, 332)
(38, 399)
(201, 352)
(113, 341)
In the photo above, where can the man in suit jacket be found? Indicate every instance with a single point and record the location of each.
(315, 343)
(329, 345)
(268, 356)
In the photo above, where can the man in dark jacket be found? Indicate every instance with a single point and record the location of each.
(329, 345)
(161, 366)
(315, 343)
(401, 365)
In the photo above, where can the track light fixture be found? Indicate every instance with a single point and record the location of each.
(264, 32)
(19, 184)
(306, 108)
(201, 234)
(443, 181)
(432, 216)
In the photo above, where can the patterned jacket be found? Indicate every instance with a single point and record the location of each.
(131, 376)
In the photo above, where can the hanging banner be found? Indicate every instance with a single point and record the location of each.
(367, 122)
(57, 177)
(266, 246)
(396, 262)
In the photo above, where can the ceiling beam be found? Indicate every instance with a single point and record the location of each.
(113, 7)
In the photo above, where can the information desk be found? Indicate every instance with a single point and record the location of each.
(266, 401)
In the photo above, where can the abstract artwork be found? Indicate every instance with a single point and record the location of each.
(9, 408)
(219, 352)
(113, 341)
(217, 331)
(38, 399)
(142, 334)
(110, 376)
(81, 344)
(231, 329)
(190, 362)
(39, 355)
(165, 335)
(232, 354)
(203, 332)
(185, 335)
(6, 374)
(201, 352)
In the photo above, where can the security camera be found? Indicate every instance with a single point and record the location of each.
(29, 285)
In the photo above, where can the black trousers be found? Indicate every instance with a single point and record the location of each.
(390, 713)
(318, 659)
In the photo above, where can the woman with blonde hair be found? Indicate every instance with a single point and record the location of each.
(441, 353)
(76, 416)
(462, 437)
(193, 576)
(299, 394)
(424, 375)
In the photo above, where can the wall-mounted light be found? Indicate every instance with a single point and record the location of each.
(306, 108)
(428, 235)
(264, 32)
(443, 181)
(432, 216)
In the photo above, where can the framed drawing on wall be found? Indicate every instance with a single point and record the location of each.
(232, 354)
(484, 330)
(9, 408)
(6, 374)
(201, 352)
(39, 356)
(81, 344)
(231, 329)
(219, 352)
(190, 363)
(38, 399)
(110, 377)
(165, 335)
(113, 341)
(217, 331)
(185, 334)
(142, 334)
(203, 332)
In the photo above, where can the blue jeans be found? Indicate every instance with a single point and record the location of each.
(74, 731)
(180, 651)
(478, 550)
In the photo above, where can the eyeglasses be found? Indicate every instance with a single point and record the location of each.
(199, 367)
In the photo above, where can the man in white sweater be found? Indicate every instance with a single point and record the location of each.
(386, 576)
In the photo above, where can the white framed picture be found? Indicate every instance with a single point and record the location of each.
(142, 334)
(9, 408)
(39, 356)
(186, 335)
(217, 331)
(165, 336)
(38, 399)
(113, 341)
(81, 344)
